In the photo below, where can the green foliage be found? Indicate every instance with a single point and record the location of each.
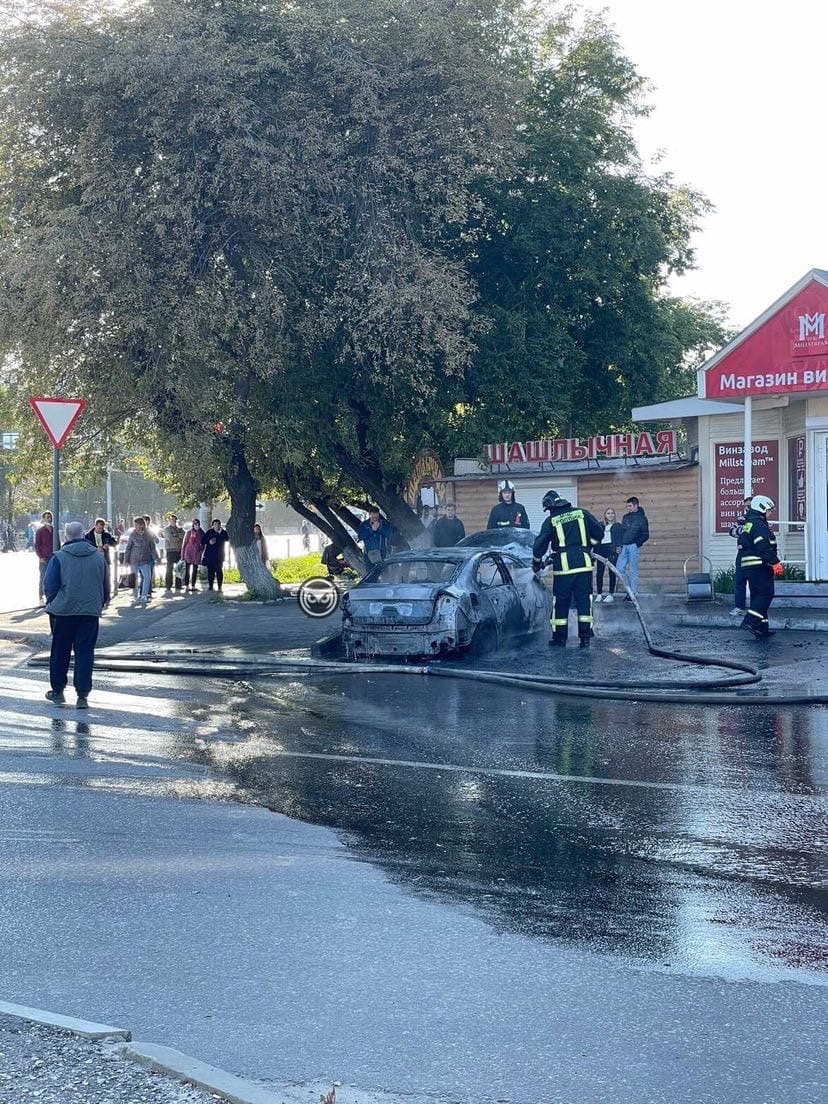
(296, 569)
(724, 581)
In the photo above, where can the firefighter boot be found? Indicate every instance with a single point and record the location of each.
(584, 641)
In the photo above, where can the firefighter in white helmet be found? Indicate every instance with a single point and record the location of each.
(758, 560)
(507, 512)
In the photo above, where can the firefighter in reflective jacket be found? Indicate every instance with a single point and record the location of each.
(569, 533)
(758, 560)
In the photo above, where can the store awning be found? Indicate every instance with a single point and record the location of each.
(691, 407)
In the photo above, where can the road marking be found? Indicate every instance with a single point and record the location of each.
(544, 776)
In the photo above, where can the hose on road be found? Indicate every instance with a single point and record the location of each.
(666, 691)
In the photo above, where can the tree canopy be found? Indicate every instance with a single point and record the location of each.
(288, 244)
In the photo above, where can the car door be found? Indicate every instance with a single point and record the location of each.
(496, 590)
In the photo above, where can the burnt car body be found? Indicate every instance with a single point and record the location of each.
(444, 600)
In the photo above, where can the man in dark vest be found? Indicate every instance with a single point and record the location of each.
(74, 587)
(569, 533)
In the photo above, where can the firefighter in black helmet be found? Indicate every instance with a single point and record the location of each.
(570, 533)
(507, 512)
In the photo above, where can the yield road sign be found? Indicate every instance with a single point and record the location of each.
(57, 416)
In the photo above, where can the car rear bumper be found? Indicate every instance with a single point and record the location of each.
(365, 641)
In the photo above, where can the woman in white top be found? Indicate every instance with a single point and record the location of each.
(609, 547)
(261, 543)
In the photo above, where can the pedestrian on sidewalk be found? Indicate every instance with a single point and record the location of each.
(449, 529)
(74, 586)
(261, 545)
(99, 537)
(191, 551)
(213, 543)
(139, 554)
(740, 579)
(44, 548)
(609, 548)
(173, 536)
(635, 532)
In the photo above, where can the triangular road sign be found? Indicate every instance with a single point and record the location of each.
(57, 416)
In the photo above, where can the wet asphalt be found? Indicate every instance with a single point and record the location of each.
(478, 892)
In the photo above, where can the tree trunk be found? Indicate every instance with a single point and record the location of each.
(242, 488)
(392, 504)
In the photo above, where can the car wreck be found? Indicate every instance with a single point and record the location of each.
(439, 601)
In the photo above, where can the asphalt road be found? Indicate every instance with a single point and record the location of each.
(470, 893)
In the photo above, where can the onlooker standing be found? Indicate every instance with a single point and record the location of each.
(74, 585)
(304, 529)
(261, 544)
(173, 536)
(635, 532)
(139, 555)
(740, 579)
(375, 535)
(100, 538)
(609, 548)
(213, 543)
(449, 529)
(153, 535)
(191, 554)
(44, 548)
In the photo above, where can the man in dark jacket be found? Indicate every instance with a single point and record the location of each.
(449, 529)
(100, 537)
(507, 512)
(757, 553)
(569, 533)
(635, 532)
(740, 580)
(74, 586)
(213, 542)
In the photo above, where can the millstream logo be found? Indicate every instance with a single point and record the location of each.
(318, 597)
(812, 325)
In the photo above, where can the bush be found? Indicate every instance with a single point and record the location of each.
(298, 568)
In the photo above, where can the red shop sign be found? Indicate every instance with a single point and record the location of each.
(787, 353)
(730, 477)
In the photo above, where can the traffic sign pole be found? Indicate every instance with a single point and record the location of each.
(55, 500)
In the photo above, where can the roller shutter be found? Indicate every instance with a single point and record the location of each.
(531, 491)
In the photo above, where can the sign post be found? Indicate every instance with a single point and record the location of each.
(58, 417)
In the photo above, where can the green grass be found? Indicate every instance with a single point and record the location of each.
(298, 568)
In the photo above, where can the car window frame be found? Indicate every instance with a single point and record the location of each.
(502, 571)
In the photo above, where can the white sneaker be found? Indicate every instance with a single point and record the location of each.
(597, 598)
(736, 612)
(609, 598)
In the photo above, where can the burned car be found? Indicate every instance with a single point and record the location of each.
(444, 600)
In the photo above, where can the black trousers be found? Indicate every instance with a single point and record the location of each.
(565, 589)
(73, 633)
(190, 575)
(760, 581)
(172, 560)
(609, 553)
(215, 573)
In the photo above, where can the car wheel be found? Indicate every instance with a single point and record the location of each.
(484, 639)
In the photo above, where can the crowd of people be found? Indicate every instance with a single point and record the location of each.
(181, 552)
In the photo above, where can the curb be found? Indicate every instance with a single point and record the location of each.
(85, 1028)
(799, 624)
(162, 1059)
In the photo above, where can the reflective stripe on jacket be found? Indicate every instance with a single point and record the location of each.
(569, 532)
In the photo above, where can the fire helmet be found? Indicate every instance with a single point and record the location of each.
(549, 499)
(761, 503)
(505, 485)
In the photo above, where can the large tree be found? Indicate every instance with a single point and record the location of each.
(223, 221)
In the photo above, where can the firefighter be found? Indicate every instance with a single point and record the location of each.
(507, 512)
(758, 560)
(570, 533)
